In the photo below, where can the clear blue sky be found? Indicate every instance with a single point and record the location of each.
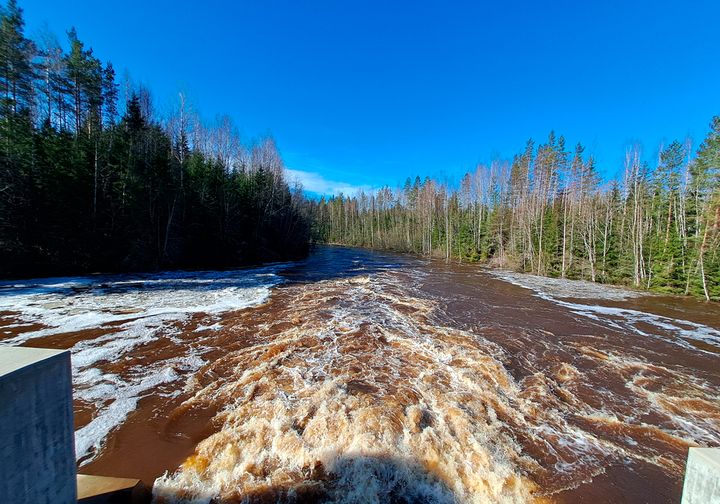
(368, 93)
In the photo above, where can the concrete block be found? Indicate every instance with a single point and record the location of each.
(702, 477)
(37, 444)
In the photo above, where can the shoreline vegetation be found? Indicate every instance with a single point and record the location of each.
(93, 179)
(549, 212)
(86, 188)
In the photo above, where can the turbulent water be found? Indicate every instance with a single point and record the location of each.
(364, 377)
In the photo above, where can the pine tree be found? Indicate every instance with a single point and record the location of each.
(84, 85)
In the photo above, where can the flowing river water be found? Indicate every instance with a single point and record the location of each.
(357, 376)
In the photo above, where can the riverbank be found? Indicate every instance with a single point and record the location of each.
(495, 265)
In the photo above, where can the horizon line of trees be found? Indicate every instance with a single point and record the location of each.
(547, 212)
(86, 187)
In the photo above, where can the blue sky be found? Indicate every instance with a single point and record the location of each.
(362, 94)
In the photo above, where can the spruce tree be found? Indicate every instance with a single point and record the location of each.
(16, 70)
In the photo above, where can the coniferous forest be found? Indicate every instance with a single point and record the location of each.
(91, 184)
(92, 179)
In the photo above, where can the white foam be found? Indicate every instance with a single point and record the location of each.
(562, 287)
(124, 397)
(73, 304)
(141, 309)
(551, 289)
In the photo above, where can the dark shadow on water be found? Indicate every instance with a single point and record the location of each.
(356, 480)
(328, 262)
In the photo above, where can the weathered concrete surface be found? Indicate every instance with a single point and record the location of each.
(702, 477)
(37, 446)
(105, 489)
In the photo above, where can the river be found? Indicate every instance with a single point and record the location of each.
(357, 376)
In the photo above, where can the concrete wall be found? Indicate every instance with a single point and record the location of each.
(702, 477)
(37, 445)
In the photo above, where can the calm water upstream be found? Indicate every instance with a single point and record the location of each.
(357, 376)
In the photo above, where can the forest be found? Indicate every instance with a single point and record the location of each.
(88, 184)
(549, 212)
(92, 179)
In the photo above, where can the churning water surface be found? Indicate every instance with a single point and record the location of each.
(356, 376)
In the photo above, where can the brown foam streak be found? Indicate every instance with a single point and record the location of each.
(366, 367)
(339, 405)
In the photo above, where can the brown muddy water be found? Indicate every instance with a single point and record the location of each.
(364, 377)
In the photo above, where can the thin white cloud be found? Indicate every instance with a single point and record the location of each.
(316, 183)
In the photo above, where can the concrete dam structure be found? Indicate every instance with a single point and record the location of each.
(37, 446)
